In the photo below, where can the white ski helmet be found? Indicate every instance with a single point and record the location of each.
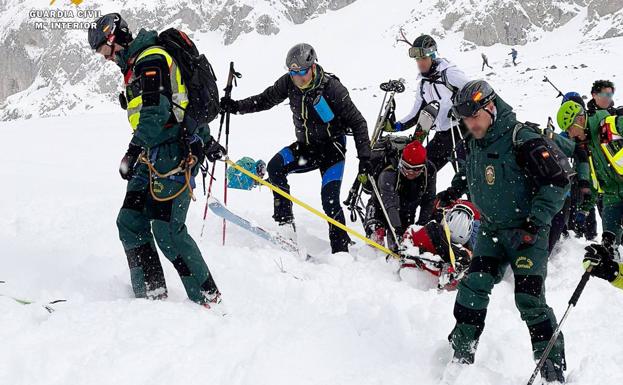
(460, 221)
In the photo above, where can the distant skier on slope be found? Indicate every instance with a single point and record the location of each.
(438, 80)
(518, 184)
(485, 61)
(323, 114)
(152, 84)
(514, 54)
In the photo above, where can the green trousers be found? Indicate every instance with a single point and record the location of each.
(612, 219)
(492, 255)
(144, 222)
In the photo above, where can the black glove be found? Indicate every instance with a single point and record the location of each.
(437, 216)
(364, 169)
(128, 162)
(601, 260)
(524, 236)
(608, 240)
(214, 151)
(447, 197)
(229, 105)
(196, 148)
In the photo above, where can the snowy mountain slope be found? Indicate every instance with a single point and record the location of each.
(345, 320)
(52, 72)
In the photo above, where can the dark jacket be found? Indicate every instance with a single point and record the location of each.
(309, 127)
(592, 107)
(402, 197)
(498, 186)
(157, 129)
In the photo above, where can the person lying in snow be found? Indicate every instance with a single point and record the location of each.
(462, 221)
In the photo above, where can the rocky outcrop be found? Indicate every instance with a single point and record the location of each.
(49, 72)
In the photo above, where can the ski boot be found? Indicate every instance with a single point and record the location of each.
(287, 229)
(552, 373)
(212, 298)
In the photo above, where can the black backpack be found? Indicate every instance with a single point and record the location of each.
(386, 152)
(198, 76)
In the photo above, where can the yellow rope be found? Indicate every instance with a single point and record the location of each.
(446, 230)
(311, 209)
(185, 166)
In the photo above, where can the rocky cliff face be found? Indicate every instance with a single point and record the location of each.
(50, 72)
(515, 22)
(54, 71)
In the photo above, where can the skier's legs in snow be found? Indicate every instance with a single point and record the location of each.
(470, 309)
(559, 222)
(394, 206)
(172, 236)
(591, 225)
(300, 158)
(530, 269)
(289, 160)
(330, 192)
(331, 160)
(133, 223)
(612, 219)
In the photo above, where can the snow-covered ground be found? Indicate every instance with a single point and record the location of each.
(345, 320)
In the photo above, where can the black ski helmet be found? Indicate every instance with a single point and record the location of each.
(423, 46)
(301, 56)
(110, 28)
(474, 96)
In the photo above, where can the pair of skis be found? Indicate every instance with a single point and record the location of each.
(276, 239)
(46, 306)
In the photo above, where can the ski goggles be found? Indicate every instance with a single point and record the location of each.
(608, 95)
(420, 53)
(467, 109)
(301, 72)
(407, 168)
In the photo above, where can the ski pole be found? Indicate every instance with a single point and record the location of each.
(231, 81)
(375, 189)
(311, 209)
(209, 194)
(572, 303)
(560, 94)
(454, 162)
(234, 75)
(227, 116)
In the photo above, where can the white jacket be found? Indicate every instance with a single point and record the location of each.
(434, 89)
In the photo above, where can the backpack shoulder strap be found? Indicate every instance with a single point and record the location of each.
(444, 77)
(532, 127)
(516, 142)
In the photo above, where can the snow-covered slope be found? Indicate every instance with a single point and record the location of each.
(345, 320)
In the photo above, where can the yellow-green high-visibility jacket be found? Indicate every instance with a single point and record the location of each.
(155, 92)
